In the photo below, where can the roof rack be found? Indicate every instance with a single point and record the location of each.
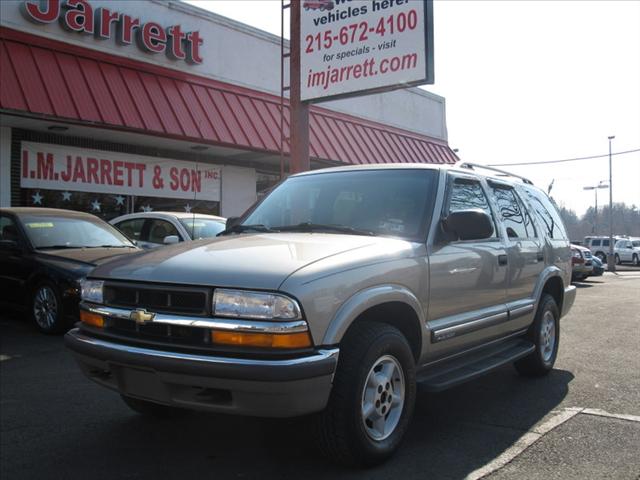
(472, 166)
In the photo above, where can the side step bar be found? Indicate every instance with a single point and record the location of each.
(449, 374)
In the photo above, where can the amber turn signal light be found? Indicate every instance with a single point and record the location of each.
(263, 340)
(92, 319)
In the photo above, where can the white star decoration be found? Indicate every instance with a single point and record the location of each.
(37, 198)
(187, 208)
(146, 208)
(95, 206)
(66, 196)
(119, 200)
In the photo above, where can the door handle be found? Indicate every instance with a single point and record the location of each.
(502, 259)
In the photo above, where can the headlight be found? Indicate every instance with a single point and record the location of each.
(255, 305)
(91, 290)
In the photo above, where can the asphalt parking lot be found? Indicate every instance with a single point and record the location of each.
(581, 421)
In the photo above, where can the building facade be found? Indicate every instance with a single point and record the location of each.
(114, 106)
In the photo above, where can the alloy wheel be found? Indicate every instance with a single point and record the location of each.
(383, 398)
(547, 336)
(45, 307)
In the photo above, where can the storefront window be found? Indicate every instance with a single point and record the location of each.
(265, 182)
(108, 206)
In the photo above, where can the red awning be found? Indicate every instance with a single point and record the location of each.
(65, 82)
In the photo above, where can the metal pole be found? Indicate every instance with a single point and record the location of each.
(595, 219)
(611, 260)
(299, 119)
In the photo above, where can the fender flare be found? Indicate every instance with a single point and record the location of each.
(548, 273)
(366, 299)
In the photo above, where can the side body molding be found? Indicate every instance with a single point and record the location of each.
(366, 299)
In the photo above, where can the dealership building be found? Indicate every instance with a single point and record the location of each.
(113, 106)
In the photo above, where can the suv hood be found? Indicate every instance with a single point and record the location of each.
(258, 261)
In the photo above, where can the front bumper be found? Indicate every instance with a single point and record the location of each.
(266, 388)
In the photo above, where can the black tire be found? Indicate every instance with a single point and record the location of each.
(46, 309)
(342, 432)
(636, 260)
(602, 257)
(541, 360)
(617, 257)
(151, 409)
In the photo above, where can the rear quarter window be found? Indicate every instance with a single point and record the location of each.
(547, 214)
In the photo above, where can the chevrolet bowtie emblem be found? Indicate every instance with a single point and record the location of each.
(141, 316)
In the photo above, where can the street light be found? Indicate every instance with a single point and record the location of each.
(610, 260)
(595, 188)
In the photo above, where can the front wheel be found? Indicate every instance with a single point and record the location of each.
(602, 257)
(617, 257)
(46, 308)
(545, 335)
(636, 260)
(372, 398)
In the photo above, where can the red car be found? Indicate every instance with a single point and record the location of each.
(318, 5)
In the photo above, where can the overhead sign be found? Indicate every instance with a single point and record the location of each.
(351, 47)
(104, 23)
(56, 167)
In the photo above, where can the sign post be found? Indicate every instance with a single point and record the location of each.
(298, 111)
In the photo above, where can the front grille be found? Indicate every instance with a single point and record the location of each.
(160, 299)
(159, 332)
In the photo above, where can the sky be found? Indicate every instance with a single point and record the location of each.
(530, 81)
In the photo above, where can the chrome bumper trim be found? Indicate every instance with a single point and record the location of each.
(235, 325)
(317, 356)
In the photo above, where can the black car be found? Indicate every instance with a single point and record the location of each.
(44, 255)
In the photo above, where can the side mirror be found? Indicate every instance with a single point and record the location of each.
(468, 224)
(171, 239)
(10, 246)
(232, 221)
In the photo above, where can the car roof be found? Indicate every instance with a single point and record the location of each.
(58, 212)
(464, 168)
(165, 214)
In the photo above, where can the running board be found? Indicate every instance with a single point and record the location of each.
(454, 372)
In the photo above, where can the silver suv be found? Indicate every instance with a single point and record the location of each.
(334, 296)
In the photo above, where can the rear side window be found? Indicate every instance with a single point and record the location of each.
(515, 217)
(466, 194)
(547, 214)
(595, 243)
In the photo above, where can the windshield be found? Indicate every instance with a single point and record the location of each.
(49, 231)
(381, 202)
(202, 227)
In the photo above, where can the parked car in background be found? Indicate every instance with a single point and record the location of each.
(598, 267)
(45, 253)
(581, 262)
(334, 296)
(627, 251)
(155, 229)
(599, 246)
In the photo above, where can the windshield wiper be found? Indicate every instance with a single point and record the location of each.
(238, 228)
(58, 247)
(320, 227)
(109, 246)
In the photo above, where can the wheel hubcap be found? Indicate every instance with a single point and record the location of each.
(45, 307)
(547, 336)
(383, 398)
